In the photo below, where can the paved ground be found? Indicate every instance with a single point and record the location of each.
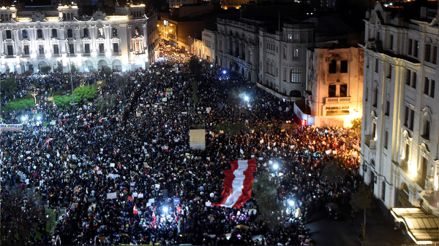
(379, 231)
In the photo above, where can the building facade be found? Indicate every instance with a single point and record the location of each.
(59, 39)
(276, 61)
(237, 46)
(400, 128)
(334, 86)
(205, 48)
(282, 59)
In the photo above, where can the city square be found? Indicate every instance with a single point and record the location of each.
(115, 131)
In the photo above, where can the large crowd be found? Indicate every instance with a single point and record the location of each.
(127, 175)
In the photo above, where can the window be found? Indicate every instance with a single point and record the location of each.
(426, 128)
(116, 48)
(344, 66)
(10, 50)
(284, 52)
(375, 97)
(423, 172)
(407, 151)
(391, 42)
(366, 94)
(389, 71)
(295, 54)
(386, 139)
(374, 130)
(343, 90)
(55, 49)
(434, 56)
(333, 66)
(40, 49)
(332, 91)
(86, 33)
(71, 49)
(26, 49)
(383, 191)
(39, 34)
(415, 48)
(408, 77)
(24, 34)
(427, 55)
(296, 75)
(377, 64)
(409, 118)
(290, 36)
(114, 33)
(54, 33)
(69, 33)
(410, 47)
(87, 48)
(8, 34)
(387, 108)
(101, 48)
(426, 86)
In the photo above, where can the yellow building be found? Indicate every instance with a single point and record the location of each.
(334, 86)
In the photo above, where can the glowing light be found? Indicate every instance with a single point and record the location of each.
(39, 117)
(165, 209)
(24, 118)
(291, 202)
(275, 166)
(246, 98)
(224, 72)
(412, 169)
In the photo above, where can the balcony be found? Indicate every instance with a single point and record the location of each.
(370, 142)
(337, 100)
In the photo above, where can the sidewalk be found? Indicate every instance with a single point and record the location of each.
(379, 232)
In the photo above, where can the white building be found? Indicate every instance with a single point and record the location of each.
(61, 40)
(400, 128)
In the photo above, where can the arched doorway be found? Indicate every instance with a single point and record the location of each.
(89, 66)
(102, 63)
(44, 67)
(117, 65)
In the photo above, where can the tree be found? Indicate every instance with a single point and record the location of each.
(362, 200)
(23, 218)
(8, 87)
(265, 194)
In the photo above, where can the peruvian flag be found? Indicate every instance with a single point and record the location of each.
(238, 182)
(135, 210)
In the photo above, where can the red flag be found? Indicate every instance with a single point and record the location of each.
(238, 183)
(135, 211)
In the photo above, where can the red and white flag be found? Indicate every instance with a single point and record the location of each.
(238, 183)
(135, 210)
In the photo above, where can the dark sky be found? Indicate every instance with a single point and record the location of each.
(36, 2)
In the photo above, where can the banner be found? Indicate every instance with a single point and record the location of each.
(197, 139)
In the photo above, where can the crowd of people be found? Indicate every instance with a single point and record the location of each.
(126, 174)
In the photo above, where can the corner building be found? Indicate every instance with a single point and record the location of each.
(400, 128)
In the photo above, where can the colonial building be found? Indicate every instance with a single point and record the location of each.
(272, 52)
(60, 39)
(400, 128)
(237, 46)
(334, 86)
